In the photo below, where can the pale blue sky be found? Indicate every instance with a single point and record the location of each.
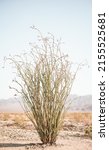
(68, 19)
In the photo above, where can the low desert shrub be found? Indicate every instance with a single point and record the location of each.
(88, 131)
(5, 116)
(19, 121)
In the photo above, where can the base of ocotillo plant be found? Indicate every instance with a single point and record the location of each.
(48, 142)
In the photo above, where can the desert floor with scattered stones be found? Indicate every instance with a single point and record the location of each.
(17, 133)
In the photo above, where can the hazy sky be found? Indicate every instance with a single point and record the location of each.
(68, 19)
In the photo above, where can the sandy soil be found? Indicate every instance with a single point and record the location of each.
(15, 137)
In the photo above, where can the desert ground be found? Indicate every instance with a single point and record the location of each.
(18, 133)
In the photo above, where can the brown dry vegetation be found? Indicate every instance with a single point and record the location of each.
(22, 121)
(12, 116)
(79, 117)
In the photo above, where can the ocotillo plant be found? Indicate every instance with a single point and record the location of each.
(44, 80)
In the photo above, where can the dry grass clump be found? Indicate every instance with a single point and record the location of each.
(5, 116)
(84, 117)
(19, 121)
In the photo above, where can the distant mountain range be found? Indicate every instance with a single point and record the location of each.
(77, 104)
(80, 103)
